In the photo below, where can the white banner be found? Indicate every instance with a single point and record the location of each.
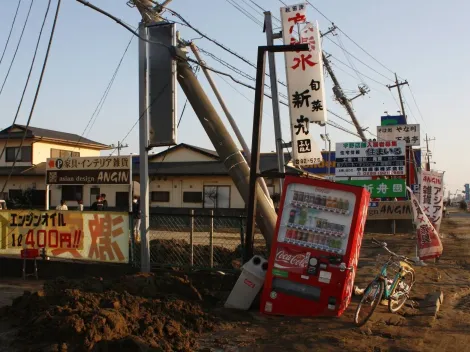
(370, 159)
(431, 196)
(304, 71)
(410, 134)
(428, 241)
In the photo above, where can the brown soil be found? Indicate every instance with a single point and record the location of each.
(161, 312)
(173, 312)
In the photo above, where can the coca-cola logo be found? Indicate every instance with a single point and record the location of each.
(293, 260)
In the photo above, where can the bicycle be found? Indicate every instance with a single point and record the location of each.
(395, 290)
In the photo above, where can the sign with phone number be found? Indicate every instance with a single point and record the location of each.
(75, 235)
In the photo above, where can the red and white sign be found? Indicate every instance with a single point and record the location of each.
(291, 260)
(431, 196)
(429, 243)
(305, 81)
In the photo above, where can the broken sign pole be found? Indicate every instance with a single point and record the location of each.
(255, 141)
(229, 116)
(229, 153)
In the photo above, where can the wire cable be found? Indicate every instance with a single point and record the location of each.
(28, 78)
(347, 36)
(36, 94)
(244, 12)
(11, 30)
(100, 105)
(17, 47)
(417, 106)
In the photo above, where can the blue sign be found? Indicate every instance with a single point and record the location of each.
(392, 120)
(322, 168)
(467, 192)
(373, 204)
(415, 188)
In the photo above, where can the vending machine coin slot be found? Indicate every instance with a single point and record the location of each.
(312, 268)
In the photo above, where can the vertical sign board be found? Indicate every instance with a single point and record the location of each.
(431, 196)
(410, 134)
(467, 192)
(370, 159)
(161, 85)
(305, 83)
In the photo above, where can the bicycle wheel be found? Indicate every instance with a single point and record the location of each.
(401, 293)
(370, 300)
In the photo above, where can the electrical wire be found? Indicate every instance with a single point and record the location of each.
(244, 12)
(106, 92)
(11, 30)
(17, 47)
(28, 78)
(347, 36)
(417, 106)
(36, 94)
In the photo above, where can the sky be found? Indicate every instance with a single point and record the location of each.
(422, 41)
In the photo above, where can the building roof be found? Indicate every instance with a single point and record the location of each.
(210, 153)
(42, 133)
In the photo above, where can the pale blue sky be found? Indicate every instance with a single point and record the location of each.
(423, 41)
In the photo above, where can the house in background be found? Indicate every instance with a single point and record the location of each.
(28, 173)
(182, 177)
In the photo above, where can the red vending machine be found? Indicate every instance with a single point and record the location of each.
(315, 249)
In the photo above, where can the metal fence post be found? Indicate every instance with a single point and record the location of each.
(211, 240)
(191, 238)
(242, 238)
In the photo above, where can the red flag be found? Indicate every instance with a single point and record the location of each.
(429, 243)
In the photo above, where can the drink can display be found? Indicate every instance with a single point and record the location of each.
(346, 205)
(323, 201)
(295, 196)
(302, 217)
(292, 215)
(311, 237)
(318, 199)
(300, 196)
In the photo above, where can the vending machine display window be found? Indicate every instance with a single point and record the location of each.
(316, 217)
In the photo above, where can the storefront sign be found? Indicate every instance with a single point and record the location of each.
(370, 158)
(392, 120)
(392, 188)
(400, 210)
(321, 169)
(410, 134)
(89, 170)
(431, 196)
(429, 243)
(88, 236)
(305, 83)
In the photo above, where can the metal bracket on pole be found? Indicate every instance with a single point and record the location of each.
(256, 138)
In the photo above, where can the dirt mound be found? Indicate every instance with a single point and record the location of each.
(138, 312)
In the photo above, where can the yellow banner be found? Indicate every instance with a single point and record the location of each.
(400, 210)
(91, 236)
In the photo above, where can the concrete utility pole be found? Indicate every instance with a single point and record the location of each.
(398, 85)
(270, 36)
(343, 100)
(119, 147)
(428, 153)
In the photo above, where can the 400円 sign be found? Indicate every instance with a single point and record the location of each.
(370, 159)
(98, 170)
(86, 236)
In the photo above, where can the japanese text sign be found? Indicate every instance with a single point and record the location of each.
(304, 71)
(392, 188)
(400, 210)
(89, 170)
(429, 243)
(102, 237)
(370, 159)
(410, 134)
(431, 196)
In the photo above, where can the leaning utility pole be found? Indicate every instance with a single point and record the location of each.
(428, 153)
(227, 150)
(343, 100)
(398, 85)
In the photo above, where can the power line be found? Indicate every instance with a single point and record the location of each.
(417, 106)
(347, 36)
(11, 30)
(244, 12)
(36, 94)
(100, 105)
(17, 47)
(29, 76)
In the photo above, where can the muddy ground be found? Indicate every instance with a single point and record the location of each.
(174, 312)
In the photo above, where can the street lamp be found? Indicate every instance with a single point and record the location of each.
(326, 138)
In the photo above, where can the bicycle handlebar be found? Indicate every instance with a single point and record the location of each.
(384, 246)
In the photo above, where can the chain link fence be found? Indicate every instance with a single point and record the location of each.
(193, 241)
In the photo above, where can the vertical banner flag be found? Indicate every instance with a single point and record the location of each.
(431, 196)
(429, 243)
(304, 71)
